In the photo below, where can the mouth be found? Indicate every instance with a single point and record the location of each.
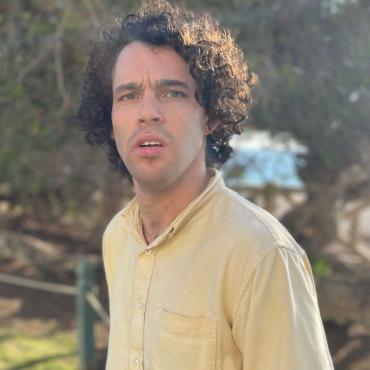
(150, 146)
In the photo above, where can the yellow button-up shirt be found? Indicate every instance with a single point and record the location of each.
(225, 287)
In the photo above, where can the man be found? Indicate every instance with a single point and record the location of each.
(198, 277)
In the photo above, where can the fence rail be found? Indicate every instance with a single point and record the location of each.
(86, 304)
(39, 285)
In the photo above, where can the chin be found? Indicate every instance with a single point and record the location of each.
(153, 177)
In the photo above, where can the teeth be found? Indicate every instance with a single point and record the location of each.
(150, 143)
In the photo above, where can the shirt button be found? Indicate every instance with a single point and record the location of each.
(151, 250)
(139, 305)
(170, 233)
(136, 362)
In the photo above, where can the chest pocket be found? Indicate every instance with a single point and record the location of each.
(183, 343)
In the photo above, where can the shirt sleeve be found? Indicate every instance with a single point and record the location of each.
(277, 324)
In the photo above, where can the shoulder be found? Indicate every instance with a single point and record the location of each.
(117, 229)
(114, 224)
(252, 229)
(250, 240)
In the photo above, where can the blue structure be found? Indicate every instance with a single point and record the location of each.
(265, 166)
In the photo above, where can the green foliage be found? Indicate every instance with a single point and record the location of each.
(314, 67)
(46, 167)
(322, 268)
(312, 57)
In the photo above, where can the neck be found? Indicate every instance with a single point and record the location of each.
(159, 208)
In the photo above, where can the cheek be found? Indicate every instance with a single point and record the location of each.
(119, 124)
(116, 133)
(114, 117)
(192, 137)
(119, 135)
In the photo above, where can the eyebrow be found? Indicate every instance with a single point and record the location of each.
(168, 83)
(128, 86)
(161, 83)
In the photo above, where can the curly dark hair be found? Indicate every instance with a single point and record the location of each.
(216, 63)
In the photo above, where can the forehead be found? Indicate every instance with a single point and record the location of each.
(138, 61)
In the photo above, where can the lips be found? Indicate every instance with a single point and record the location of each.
(149, 145)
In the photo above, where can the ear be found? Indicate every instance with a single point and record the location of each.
(209, 126)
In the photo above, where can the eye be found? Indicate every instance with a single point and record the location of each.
(174, 94)
(129, 96)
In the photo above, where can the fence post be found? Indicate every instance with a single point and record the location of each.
(85, 315)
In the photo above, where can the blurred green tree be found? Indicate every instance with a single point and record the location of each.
(47, 172)
(313, 60)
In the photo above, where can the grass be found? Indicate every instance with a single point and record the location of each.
(40, 347)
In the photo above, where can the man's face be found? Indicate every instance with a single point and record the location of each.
(158, 125)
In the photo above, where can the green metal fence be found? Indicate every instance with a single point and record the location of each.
(88, 306)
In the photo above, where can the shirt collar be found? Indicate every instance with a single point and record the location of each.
(131, 212)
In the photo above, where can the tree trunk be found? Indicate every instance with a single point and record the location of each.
(314, 223)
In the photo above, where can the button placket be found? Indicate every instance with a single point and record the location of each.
(139, 305)
(151, 250)
(143, 275)
(136, 361)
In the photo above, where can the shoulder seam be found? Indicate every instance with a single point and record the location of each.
(249, 207)
(247, 279)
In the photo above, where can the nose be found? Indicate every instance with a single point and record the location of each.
(150, 110)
